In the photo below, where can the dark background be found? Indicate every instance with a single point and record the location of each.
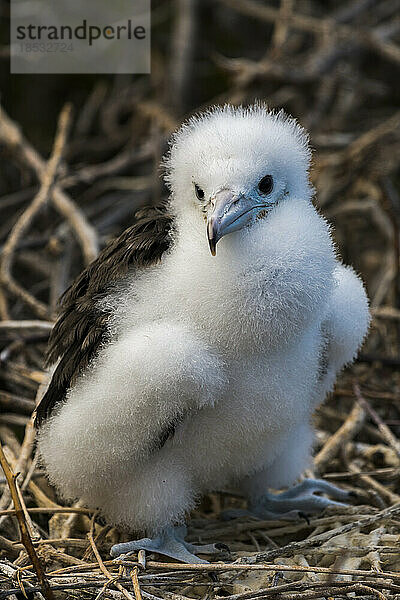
(335, 66)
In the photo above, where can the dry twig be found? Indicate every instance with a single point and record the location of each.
(23, 526)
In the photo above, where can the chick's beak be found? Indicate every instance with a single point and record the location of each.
(230, 212)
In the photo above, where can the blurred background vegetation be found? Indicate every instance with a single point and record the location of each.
(333, 64)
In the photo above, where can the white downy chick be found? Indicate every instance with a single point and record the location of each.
(209, 365)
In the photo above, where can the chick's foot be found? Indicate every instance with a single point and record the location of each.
(299, 500)
(171, 543)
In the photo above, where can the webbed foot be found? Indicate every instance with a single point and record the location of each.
(298, 501)
(171, 543)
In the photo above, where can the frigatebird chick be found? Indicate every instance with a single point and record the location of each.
(180, 371)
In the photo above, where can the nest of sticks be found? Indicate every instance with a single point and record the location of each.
(330, 64)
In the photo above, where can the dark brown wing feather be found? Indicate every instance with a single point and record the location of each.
(81, 326)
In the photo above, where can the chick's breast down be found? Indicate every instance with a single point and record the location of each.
(212, 365)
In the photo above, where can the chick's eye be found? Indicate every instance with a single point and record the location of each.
(199, 192)
(266, 184)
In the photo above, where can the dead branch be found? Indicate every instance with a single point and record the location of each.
(104, 569)
(24, 530)
(383, 428)
(20, 228)
(11, 136)
(317, 26)
(350, 427)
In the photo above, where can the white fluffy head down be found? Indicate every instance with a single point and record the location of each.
(235, 147)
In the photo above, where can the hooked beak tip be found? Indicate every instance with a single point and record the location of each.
(212, 237)
(213, 247)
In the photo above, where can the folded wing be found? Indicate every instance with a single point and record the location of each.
(82, 326)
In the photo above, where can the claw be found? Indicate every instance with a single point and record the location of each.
(303, 515)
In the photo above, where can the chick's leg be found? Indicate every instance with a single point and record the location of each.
(170, 543)
(155, 498)
(290, 461)
(299, 500)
